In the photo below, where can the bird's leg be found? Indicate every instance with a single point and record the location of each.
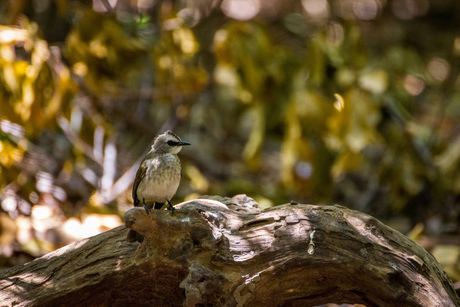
(147, 208)
(170, 207)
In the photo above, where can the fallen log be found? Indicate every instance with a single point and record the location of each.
(227, 252)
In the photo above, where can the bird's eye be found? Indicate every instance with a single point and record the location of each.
(172, 143)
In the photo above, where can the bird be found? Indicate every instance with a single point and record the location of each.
(158, 176)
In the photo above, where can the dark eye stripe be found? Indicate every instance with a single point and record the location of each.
(172, 143)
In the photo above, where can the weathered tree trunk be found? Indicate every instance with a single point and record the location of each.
(213, 254)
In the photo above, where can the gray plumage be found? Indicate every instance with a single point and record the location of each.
(158, 176)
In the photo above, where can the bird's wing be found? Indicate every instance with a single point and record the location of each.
(139, 176)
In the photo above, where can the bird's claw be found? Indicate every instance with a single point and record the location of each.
(147, 209)
(170, 207)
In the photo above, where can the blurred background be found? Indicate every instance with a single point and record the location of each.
(354, 102)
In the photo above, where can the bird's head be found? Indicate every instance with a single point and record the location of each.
(168, 142)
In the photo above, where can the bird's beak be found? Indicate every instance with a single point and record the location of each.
(182, 143)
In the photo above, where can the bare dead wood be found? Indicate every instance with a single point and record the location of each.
(209, 255)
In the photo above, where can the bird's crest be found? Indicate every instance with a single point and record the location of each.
(169, 132)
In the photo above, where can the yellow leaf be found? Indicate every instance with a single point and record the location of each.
(198, 181)
(289, 148)
(375, 81)
(347, 161)
(10, 154)
(185, 39)
(256, 137)
(339, 103)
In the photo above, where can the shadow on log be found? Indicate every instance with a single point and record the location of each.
(226, 252)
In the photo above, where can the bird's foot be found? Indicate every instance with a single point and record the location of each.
(170, 207)
(147, 209)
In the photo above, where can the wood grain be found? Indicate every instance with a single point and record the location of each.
(208, 254)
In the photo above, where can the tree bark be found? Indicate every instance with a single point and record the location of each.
(229, 253)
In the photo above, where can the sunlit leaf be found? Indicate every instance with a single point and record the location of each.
(375, 81)
(289, 147)
(198, 181)
(346, 162)
(449, 163)
(185, 39)
(10, 154)
(256, 136)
